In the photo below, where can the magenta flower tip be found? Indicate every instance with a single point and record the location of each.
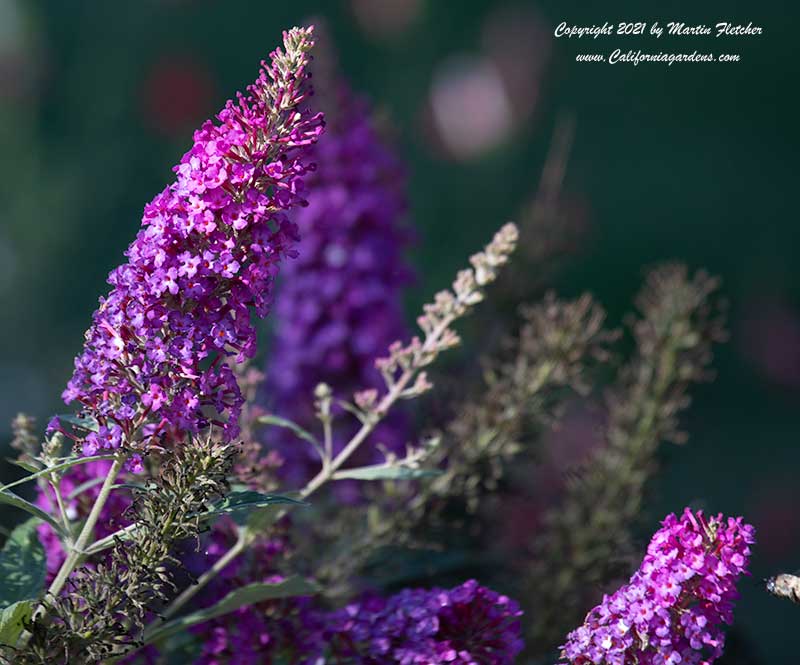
(206, 256)
(674, 607)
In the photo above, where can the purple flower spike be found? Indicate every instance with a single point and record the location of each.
(206, 256)
(340, 304)
(674, 606)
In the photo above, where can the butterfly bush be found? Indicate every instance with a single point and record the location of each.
(466, 624)
(340, 301)
(674, 606)
(403, 376)
(161, 362)
(206, 256)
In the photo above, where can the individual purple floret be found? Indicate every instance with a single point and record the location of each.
(674, 607)
(206, 256)
(467, 624)
(340, 302)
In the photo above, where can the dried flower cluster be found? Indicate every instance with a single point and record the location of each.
(558, 345)
(588, 532)
(674, 606)
(104, 608)
(24, 439)
(207, 254)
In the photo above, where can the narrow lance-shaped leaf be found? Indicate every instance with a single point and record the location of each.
(384, 472)
(246, 595)
(246, 501)
(22, 464)
(298, 431)
(57, 467)
(12, 499)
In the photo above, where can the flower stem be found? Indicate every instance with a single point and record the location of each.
(54, 484)
(327, 471)
(77, 550)
(467, 292)
(238, 547)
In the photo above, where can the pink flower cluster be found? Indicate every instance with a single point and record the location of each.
(206, 256)
(674, 606)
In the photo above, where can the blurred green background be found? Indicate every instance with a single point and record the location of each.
(695, 162)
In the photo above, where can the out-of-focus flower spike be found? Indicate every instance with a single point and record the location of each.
(339, 303)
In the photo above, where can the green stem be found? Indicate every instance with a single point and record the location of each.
(77, 552)
(56, 487)
(328, 434)
(326, 473)
(241, 544)
(77, 548)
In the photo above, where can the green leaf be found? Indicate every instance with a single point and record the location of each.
(80, 489)
(86, 423)
(277, 421)
(12, 619)
(257, 521)
(28, 466)
(246, 507)
(134, 487)
(17, 501)
(245, 595)
(58, 467)
(247, 500)
(22, 565)
(384, 472)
